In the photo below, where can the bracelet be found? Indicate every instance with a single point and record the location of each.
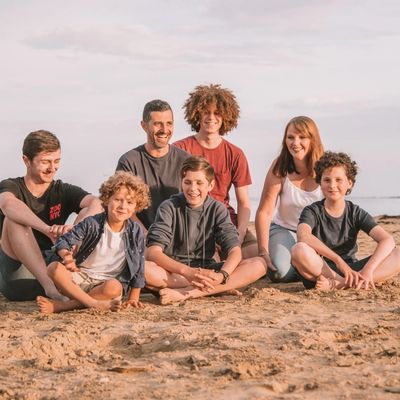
(225, 275)
(263, 254)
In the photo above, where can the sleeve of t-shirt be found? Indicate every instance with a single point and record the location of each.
(364, 220)
(138, 280)
(241, 171)
(308, 217)
(73, 196)
(160, 231)
(226, 234)
(8, 185)
(125, 164)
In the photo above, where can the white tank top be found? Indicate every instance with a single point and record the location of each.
(291, 202)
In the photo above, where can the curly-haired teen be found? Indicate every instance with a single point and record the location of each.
(110, 259)
(289, 186)
(327, 234)
(155, 161)
(34, 210)
(212, 112)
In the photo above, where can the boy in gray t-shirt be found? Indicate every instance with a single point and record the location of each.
(327, 234)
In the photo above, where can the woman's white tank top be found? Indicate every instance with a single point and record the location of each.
(291, 202)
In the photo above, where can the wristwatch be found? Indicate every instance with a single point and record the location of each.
(226, 276)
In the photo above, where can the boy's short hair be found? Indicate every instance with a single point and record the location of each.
(331, 159)
(39, 141)
(202, 97)
(198, 163)
(154, 105)
(133, 183)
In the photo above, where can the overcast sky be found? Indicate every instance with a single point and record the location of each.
(84, 70)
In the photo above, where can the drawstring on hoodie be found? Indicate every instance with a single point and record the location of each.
(187, 236)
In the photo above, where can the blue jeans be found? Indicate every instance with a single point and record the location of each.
(281, 240)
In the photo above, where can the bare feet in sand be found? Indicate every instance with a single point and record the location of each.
(168, 296)
(325, 284)
(49, 306)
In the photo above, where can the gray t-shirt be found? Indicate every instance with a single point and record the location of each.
(161, 174)
(339, 234)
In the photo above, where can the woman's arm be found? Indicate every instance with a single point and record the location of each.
(271, 190)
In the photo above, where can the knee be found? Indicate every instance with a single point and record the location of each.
(54, 269)
(113, 288)
(151, 275)
(299, 251)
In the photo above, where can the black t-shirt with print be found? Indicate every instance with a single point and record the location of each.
(339, 234)
(54, 207)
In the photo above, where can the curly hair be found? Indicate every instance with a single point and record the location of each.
(331, 159)
(198, 163)
(135, 185)
(202, 97)
(284, 163)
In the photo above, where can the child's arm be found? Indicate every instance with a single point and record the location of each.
(385, 245)
(133, 299)
(304, 234)
(208, 279)
(155, 253)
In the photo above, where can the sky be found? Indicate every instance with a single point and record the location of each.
(84, 70)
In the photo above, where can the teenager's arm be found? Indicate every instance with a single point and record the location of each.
(385, 245)
(304, 234)
(90, 205)
(271, 190)
(17, 211)
(243, 210)
(155, 253)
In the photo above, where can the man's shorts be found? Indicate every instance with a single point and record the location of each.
(355, 266)
(215, 266)
(16, 282)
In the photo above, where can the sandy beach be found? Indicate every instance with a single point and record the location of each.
(275, 342)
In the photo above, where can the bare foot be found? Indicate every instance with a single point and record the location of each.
(233, 292)
(168, 295)
(49, 306)
(113, 305)
(325, 284)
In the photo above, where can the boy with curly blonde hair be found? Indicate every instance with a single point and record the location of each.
(110, 259)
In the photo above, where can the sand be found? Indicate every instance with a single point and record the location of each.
(275, 342)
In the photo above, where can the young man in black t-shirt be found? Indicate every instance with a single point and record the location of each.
(34, 209)
(327, 234)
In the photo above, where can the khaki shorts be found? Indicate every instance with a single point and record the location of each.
(84, 281)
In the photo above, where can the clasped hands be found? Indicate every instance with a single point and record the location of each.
(204, 279)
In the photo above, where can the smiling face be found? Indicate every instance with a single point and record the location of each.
(196, 187)
(298, 143)
(210, 120)
(159, 129)
(120, 207)
(42, 168)
(335, 184)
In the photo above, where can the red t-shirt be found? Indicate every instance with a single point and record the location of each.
(230, 166)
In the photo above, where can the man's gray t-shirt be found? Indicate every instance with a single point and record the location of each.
(161, 174)
(339, 234)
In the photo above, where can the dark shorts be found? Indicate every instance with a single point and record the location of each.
(216, 266)
(355, 266)
(16, 282)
